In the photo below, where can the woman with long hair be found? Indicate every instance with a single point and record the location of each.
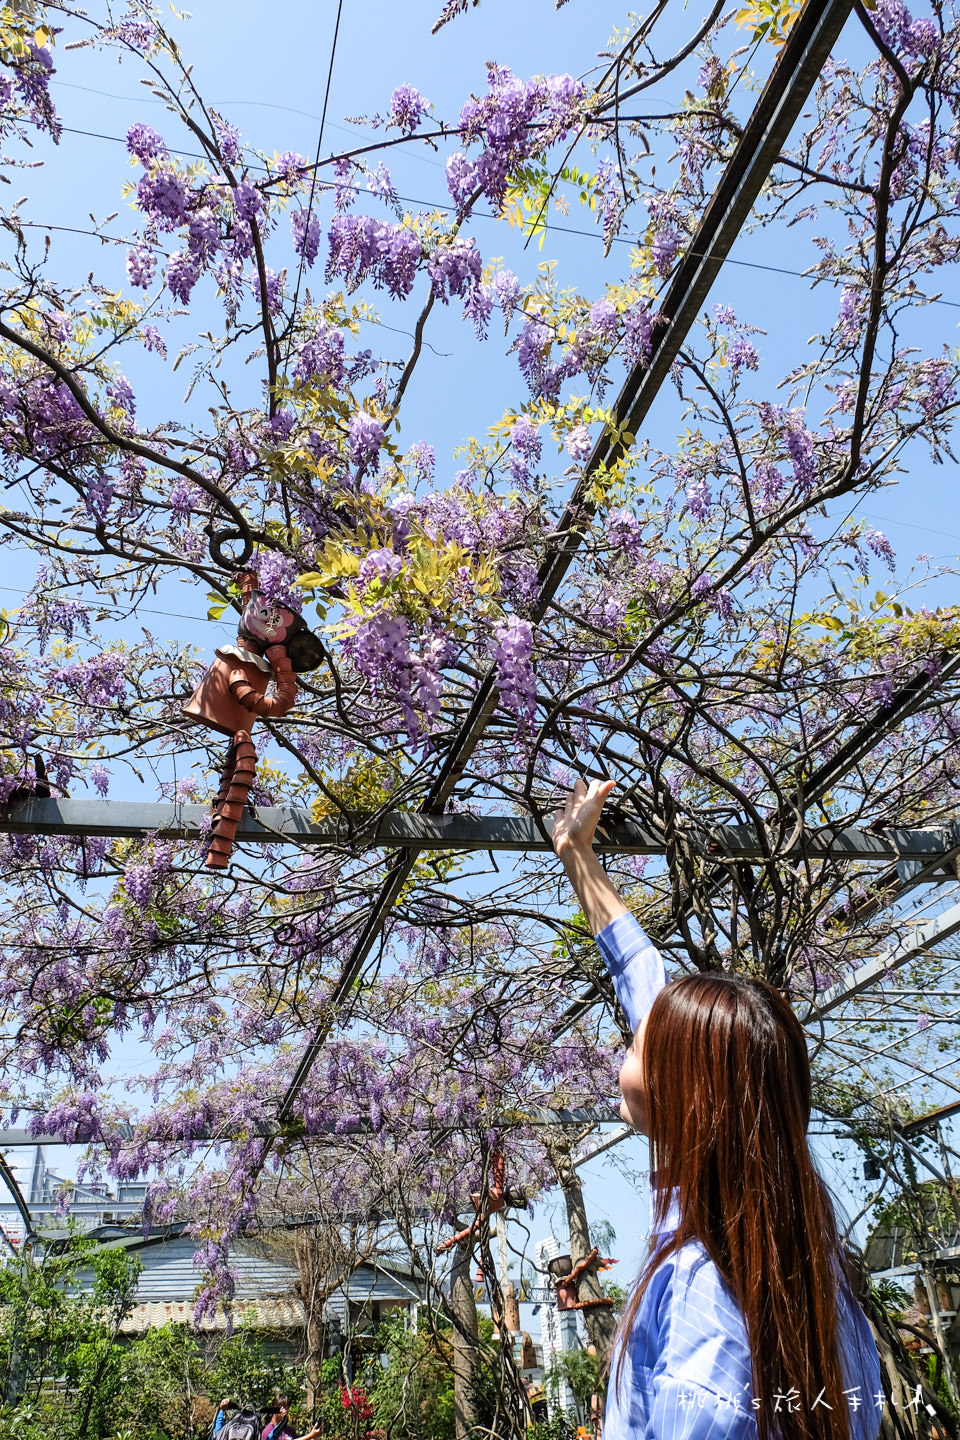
(742, 1324)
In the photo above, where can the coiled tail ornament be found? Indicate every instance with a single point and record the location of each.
(236, 778)
(568, 1286)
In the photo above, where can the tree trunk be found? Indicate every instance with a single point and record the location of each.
(600, 1321)
(312, 1285)
(466, 1341)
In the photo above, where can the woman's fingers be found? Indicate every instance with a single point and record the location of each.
(578, 819)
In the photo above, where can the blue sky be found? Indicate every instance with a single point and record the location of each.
(266, 68)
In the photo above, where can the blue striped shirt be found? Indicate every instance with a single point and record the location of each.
(686, 1367)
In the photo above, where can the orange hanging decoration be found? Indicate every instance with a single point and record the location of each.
(568, 1289)
(273, 643)
(499, 1196)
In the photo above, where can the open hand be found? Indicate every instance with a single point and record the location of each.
(575, 825)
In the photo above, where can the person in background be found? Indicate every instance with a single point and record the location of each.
(743, 1322)
(220, 1418)
(279, 1427)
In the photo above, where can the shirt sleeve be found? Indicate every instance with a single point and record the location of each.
(635, 965)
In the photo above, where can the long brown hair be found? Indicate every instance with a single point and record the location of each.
(728, 1093)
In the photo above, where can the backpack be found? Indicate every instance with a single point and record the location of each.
(243, 1425)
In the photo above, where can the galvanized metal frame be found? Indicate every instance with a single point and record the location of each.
(286, 824)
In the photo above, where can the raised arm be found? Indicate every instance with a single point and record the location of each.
(634, 962)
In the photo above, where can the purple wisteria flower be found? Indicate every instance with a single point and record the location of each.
(937, 388)
(141, 267)
(381, 565)
(769, 481)
(849, 316)
(532, 347)
(136, 32)
(609, 192)
(603, 320)
(422, 458)
(322, 358)
(365, 438)
(276, 577)
(154, 342)
(138, 882)
(720, 601)
(455, 269)
(100, 680)
(579, 444)
(274, 289)
(380, 650)
(527, 448)
(183, 272)
(246, 201)
(163, 198)
(145, 144)
(699, 498)
(305, 229)
(639, 323)
(183, 499)
(741, 354)
(664, 249)
(120, 394)
(514, 120)
(279, 427)
(516, 681)
(504, 290)
(799, 446)
(229, 137)
(292, 166)
(407, 109)
(880, 545)
(363, 248)
(379, 183)
(203, 235)
(625, 533)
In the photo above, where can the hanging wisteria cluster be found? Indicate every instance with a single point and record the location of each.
(716, 632)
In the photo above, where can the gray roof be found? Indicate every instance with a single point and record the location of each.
(170, 1278)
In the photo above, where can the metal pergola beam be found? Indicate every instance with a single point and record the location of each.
(401, 830)
(933, 1117)
(923, 938)
(17, 1196)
